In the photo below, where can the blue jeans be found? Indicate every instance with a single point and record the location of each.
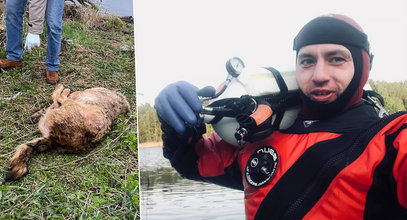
(14, 30)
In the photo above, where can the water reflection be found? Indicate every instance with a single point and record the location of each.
(166, 195)
(116, 7)
(163, 176)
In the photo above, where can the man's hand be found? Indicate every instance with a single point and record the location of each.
(178, 105)
(31, 41)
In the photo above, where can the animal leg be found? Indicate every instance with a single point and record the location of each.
(55, 95)
(35, 118)
(19, 161)
(64, 95)
(57, 92)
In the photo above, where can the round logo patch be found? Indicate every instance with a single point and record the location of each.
(261, 166)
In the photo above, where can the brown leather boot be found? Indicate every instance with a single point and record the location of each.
(8, 64)
(51, 77)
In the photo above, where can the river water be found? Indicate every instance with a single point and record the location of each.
(116, 7)
(165, 195)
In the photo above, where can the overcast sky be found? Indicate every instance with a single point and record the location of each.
(192, 39)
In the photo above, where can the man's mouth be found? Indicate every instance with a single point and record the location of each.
(322, 95)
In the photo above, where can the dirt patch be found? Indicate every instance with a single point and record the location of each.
(72, 11)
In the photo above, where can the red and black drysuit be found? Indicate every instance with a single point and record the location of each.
(353, 166)
(337, 161)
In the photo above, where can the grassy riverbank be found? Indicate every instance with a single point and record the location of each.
(97, 51)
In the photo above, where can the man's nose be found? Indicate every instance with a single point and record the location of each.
(321, 74)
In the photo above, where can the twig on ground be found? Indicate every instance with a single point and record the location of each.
(11, 97)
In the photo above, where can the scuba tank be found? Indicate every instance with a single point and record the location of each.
(251, 103)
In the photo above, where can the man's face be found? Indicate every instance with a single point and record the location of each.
(324, 71)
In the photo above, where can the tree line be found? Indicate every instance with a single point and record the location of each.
(394, 95)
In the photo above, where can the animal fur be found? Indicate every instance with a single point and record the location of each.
(71, 124)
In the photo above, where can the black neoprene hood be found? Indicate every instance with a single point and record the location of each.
(330, 30)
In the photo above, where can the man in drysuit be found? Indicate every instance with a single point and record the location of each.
(339, 160)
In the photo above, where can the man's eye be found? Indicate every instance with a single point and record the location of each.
(337, 60)
(306, 62)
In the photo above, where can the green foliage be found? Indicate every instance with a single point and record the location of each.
(114, 23)
(149, 129)
(394, 94)
(3, 52)
(148, 124)
(132, 186)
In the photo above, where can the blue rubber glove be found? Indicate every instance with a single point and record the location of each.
(178, 105)
(31, 41)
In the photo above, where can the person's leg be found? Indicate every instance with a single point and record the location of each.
(14, 29)
(53, 17)
(36, 14)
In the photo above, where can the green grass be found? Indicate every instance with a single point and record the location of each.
(100, 184)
